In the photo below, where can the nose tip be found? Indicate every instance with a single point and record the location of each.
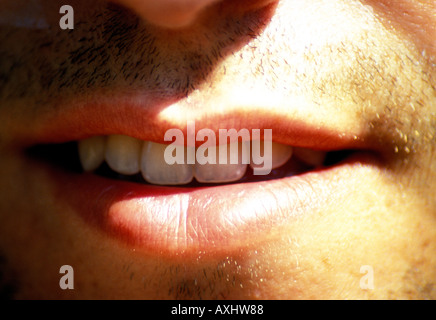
(168, 13)
(181, 13)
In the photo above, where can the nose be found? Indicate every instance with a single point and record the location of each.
(181, 13)
(168, 13)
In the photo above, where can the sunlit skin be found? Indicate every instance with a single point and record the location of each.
(362, 68)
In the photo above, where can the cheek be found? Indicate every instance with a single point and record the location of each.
(415, 19)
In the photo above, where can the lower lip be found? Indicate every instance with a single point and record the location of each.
(174, 221)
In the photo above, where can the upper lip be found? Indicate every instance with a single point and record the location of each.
(147, 119)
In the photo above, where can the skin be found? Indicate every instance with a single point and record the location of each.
(367, 66)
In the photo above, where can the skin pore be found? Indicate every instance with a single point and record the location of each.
(367, 67)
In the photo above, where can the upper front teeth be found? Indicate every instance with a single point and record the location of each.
(155, 170)
(220, 173)
(128, 156)
(123, 154)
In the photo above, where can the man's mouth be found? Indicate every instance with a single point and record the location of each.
(106, 165)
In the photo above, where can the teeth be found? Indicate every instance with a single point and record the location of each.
(91, 152)
(155, 169)
(122, 154)
(127, 155)
(311, 157)
(279, 155)
(219, 172)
